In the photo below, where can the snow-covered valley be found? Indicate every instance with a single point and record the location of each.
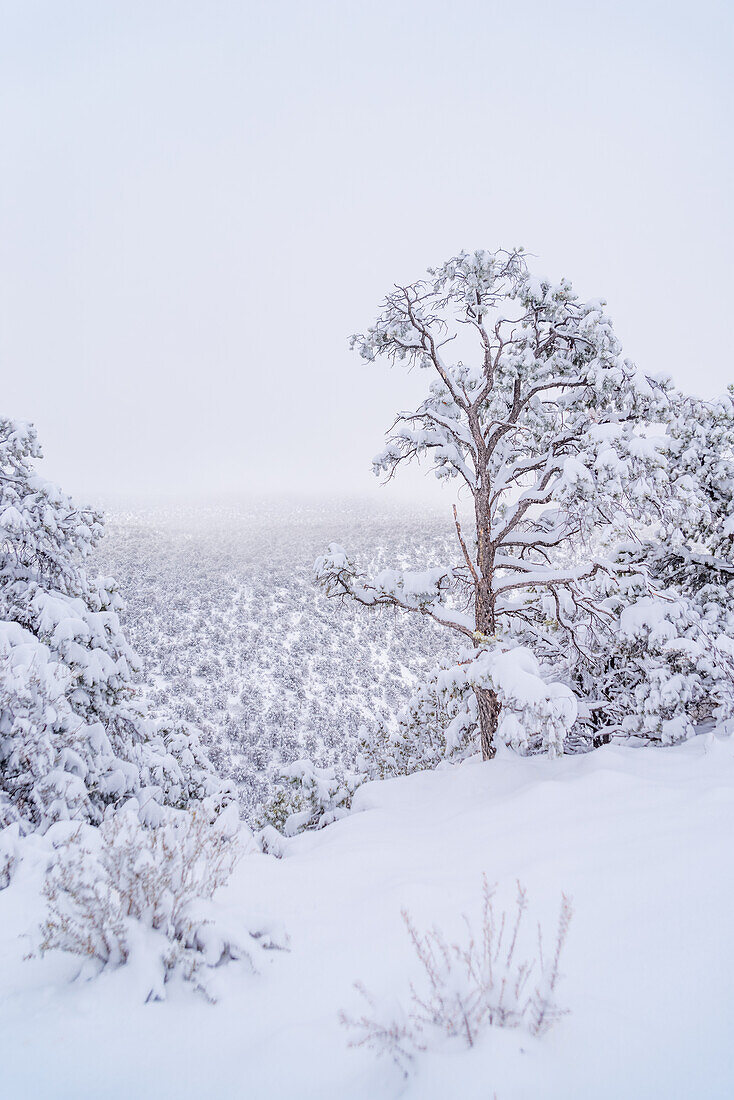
(235, 636)
(366, 551)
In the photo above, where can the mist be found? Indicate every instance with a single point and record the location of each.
(200, 202)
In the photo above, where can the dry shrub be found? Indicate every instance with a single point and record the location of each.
(123, 889)
(467, 987)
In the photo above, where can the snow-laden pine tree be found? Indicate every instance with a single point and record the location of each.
(75, 735)
(550, 431)
(667, 664)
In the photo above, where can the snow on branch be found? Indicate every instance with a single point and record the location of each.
(533, 709)
(424, 591)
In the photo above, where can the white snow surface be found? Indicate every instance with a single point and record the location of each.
(640, 838)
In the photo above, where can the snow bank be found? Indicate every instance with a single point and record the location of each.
(640, 838)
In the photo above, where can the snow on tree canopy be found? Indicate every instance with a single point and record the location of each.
(75, 736)
(665, 665)
(550, 431)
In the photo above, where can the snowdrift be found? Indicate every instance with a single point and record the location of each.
(640, 838)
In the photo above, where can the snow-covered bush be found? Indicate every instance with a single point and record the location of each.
(536, 714)
(659, 654)
(435, 725)
(659, 661)
(308, 797)
(122, 893)
(668, 668)
(464, 988)
(10, 842)
(75, 733)
(675, 640)
(701, 435)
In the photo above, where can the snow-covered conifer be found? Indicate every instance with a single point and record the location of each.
(75, 735)
(532, 407)
(667, 664)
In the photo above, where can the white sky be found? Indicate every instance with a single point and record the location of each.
(200, 201)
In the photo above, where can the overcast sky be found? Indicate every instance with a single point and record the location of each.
(200, 201)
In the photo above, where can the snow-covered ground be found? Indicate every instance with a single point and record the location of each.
(640, 838)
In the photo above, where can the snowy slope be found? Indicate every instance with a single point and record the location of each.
(236, 638)
(640, 838)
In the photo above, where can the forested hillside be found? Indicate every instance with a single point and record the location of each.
(236, 638)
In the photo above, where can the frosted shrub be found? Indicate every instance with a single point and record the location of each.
(464, 988)
(668, 664)
(435, 725)
(664, 663)
(536, 715)
(122, 890)
(282, 811)
(309, 798)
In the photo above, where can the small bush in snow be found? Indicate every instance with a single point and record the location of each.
(309, 798)
(469, 986)
(8, 854)
(123, 890)
(434, 726)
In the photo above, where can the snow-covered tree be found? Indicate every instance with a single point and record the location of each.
(532, 407)
(668, 664)
(75, 735)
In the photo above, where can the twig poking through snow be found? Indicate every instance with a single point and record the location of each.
(467, 987)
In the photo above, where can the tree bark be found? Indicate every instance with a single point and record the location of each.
(488, 706)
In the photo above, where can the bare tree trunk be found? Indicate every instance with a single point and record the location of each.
(488, 706)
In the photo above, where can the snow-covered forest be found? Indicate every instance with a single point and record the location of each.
(164, 755)
(235, 637)
(308, 789)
